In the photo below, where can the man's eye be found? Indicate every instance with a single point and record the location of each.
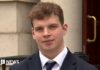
(39, 29)
(53, 26)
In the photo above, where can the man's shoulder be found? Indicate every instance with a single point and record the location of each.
(83, 64)
(24, 64)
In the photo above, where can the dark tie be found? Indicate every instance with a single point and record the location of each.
(49, 65)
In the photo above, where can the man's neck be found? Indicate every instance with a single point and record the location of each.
(52, 54)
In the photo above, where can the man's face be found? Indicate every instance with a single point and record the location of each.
(49, 33)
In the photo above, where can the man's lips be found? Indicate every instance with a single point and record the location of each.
(47, 41)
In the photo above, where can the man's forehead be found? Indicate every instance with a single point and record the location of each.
(45, 25)
(48, 21)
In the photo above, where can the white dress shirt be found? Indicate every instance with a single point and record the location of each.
(58, 59)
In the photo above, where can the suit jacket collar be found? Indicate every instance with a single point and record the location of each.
(35, 63)
(69, 62)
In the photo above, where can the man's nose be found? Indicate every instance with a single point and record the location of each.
(46, 32)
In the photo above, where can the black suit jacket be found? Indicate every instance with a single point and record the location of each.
(71, 62)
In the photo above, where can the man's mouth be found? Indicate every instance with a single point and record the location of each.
(48, 41)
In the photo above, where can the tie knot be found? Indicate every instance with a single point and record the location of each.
(49, 65)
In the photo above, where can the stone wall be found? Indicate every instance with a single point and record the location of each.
(15, 28)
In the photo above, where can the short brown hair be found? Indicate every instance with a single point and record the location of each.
(46, 9)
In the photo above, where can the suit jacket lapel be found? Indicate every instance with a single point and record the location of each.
(69, 62)
(34, 62)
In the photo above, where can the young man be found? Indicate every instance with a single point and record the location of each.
(48, 29)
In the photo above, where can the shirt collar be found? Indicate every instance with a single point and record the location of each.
(43, 59)
(59, 58)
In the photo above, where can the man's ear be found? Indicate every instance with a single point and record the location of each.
(65, 27)
(33, 35)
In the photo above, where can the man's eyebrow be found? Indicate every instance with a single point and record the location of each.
(53, 24)
(37, 26)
